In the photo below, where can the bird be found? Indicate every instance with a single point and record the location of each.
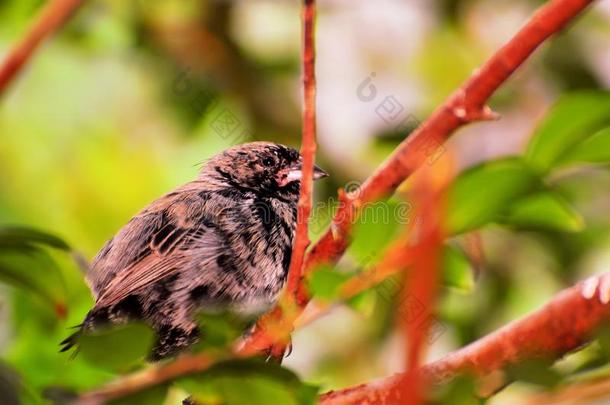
(222, 241)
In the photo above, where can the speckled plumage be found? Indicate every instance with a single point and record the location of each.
(222, 240)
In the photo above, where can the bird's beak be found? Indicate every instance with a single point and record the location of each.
(296, 174)
(318, 173)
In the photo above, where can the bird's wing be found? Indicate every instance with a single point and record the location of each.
(153, 245)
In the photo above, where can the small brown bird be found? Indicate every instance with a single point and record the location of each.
(223, 240)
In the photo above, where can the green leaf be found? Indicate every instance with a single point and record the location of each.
(325, 282)
(249, 381)
(544, 210)
(119, 348)
(220, 329)
(32, 269)
(457, 270)
(26, 264)
(535, 372)
(461, 390)
(595, 149)
(480, 193)
(571, 120)
(23, 236)
(378, 224)
(364, 303)
(603, 338)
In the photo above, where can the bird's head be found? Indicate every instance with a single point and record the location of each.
(261, 167)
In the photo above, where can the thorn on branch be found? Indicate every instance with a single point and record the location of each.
(348, 204)
(336, 232)
(487, 114)
(466, 115)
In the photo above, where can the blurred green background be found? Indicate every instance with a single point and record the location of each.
(130, 97)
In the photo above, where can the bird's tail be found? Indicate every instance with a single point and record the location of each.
(72, 341)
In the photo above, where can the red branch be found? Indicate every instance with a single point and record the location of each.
(54, 14)
(273, 329)
(155, 374)
(421, 279)
(466, 105)
(560, 326)
(308, 147)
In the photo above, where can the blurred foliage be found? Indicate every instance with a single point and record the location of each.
(119, 349)
(221, 329)
(9, 386)
(573, 120)
(257, 382)
(460, 391)
(124, 104)
(24, 263)
(480, 194)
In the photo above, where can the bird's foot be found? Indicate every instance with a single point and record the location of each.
(278, 352)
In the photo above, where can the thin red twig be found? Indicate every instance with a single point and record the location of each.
(308, 147)
(53, 15)
(274, 328)
(421, 282)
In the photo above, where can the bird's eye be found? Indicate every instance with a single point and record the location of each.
(268, 161)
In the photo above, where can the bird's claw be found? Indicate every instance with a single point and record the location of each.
(597, 286)
(288, 349)
(278, 352)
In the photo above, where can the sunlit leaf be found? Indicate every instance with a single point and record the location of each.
(595, 370)
(325, 282)
(457, 270)
(479, 194)
(364, 302)
(248, 381)
(544, 210)
(574, 118)
(595, 149)
(118, 348)
(378, 224)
